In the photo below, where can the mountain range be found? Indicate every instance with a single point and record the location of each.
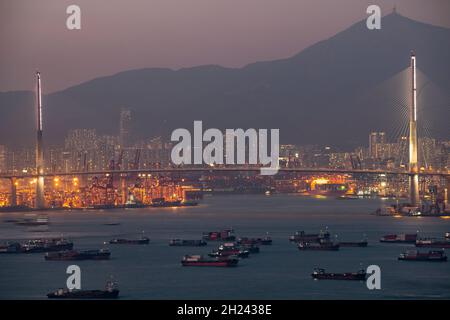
(328, 93)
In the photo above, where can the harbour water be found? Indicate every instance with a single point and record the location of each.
(280, 271)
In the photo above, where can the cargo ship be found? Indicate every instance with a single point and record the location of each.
(111, 292)
(318, 246)
(102, 254)
(361, 243)
(229, 249)
(46, 245)
(301, 236)
(433, 243)
(187, 243)
(142, 240)
(399, 238)
(224, 235)
(201, 261)
(320, 274)
(414, 255)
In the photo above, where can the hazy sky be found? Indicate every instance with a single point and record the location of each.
(117, 35)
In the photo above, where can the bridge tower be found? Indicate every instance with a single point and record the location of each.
(413, 166)
(40, 200)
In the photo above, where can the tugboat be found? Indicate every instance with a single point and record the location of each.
(111, 292)
(320, 274)
(201, 261)
(102, 254)
(433, 243)
(399, 238)
(229, 249)
(46, 245)
(301, 236)
(142, 240)
(224, 235)
(10, 247)
(187, 243)
(414, 255)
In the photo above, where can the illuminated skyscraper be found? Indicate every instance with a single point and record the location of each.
(124, 128)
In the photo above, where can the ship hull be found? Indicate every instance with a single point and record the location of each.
(231, 263)
(340, 276)
(88, 294)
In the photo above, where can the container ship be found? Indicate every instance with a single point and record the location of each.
(111, 292)
(224, 235)
(101, 254)
(414, 255)
(320, 274)
(201, 261)
(187, 243)
(433, 243)
(399, 238)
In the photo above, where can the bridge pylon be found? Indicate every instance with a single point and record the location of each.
(413, 166)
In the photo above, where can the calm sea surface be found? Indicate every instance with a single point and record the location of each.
(280, 271)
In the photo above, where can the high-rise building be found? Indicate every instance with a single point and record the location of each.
(377, 141)
(124, 128)
(3, 157)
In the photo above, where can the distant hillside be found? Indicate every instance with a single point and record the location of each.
(313, 97)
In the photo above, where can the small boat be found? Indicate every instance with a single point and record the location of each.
(433, 243)
(415, 255)
(320, 274)
(10, 247)
(187, 243)
(399, 238)
(447, 235)
(224, 235)
(318, 246)
(111, 292)
(201, 261)
(102, 254)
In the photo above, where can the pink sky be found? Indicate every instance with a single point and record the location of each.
(118, 35)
